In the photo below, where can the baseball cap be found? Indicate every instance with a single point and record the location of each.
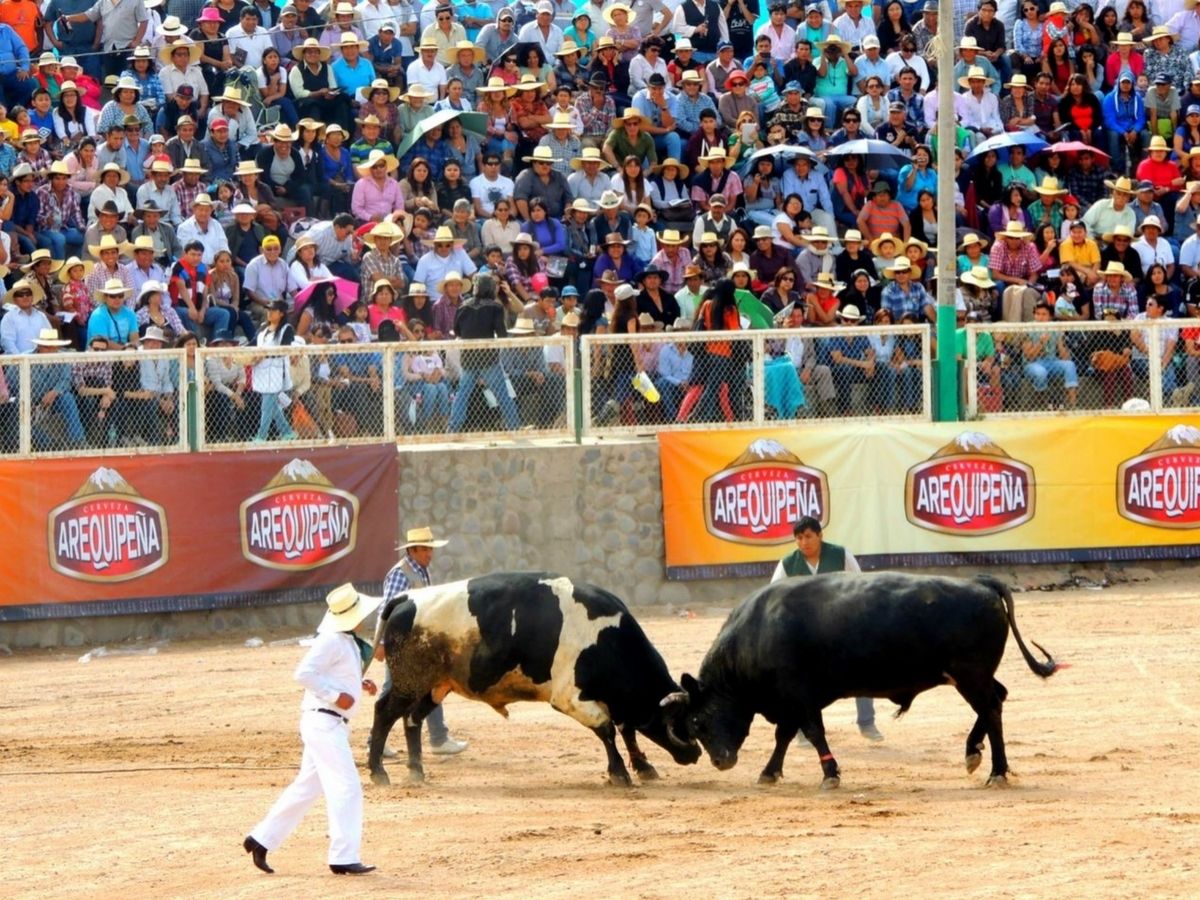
(270, 241)
(1162, 78)
(1193, 109)
(218, 123)
(870, 41)
(570, 291)
(185, 90)
(793, 87)
(656, 80)
(724, 45)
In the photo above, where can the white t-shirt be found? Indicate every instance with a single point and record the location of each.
(489, 192)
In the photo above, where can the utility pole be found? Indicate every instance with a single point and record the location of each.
(946, 368)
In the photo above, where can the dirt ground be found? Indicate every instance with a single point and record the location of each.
(139, 775)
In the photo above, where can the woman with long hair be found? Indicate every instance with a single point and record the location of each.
(1088, 64)
(989, 184)
(1027, 40)
(225, 292)
(1108, 25)
(670, 194)
(849, 189)
(274, 88)
(380, 101)
(892, 26)
(1009, 208)
(154, 308)
(626, 360)
(873, 105)
(786, 227)
(493, 102)
(1080, 112)
(124, 103)
(418, 187)
(305, 267)
(337, 168)
(714, 262)
(525, 262)
(321, 308)
(1083, 27)
(737, 246)
(271, 374)
(532, 61)
(813, 134)
(72, 120)
(464, 147)
(782, 291)
(1057, 64)
(924, 222)
(501, 229)
(1160, 288)
(569, 71)
(1016, 110)
(548, 234)
(1137, 20)
(417, 308)
(631, 184)
(724, 358)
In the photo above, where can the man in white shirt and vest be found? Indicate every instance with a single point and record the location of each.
(331, 673)
(413, 572)
(816, 556)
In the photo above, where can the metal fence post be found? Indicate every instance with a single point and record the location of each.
(585, 378)
(571, 387)
(972, 364)
(389, 393)
(1154, 367)
(758, 377)
(25, 404)
(201, 400)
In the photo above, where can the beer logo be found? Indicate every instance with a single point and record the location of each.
(107, 532)
(299, 521)
(970, 487)
(1161, 485)
(758, 497)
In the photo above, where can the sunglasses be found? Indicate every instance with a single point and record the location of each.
(22, 293)
(443, 18)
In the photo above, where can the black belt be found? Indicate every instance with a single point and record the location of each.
(336, 715)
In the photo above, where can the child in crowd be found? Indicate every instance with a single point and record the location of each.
(360, 321)
(642, 238)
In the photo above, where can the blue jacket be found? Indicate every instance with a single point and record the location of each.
(13, 52)
(1123, 115)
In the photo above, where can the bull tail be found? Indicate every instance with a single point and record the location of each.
(381, 620)
(1041, 668)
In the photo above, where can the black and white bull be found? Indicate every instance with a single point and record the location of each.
(525, 636)
(795, 646)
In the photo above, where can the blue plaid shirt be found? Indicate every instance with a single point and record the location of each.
(151, 86)
(396, 582)
(900, 301)
(436, 155)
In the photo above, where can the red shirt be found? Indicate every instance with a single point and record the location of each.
(1160, 173)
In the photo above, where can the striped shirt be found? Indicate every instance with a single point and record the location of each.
(885, 218)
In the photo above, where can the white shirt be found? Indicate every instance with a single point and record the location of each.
(332, 666)
(1161, 252)
(213, 240)
(372, 16)
(1189, 253)
(254, 44)
(854, 32)
(896, 62)
(851, 566)
(490, 191)
(979, 112)
(550, 42)
(432, 77)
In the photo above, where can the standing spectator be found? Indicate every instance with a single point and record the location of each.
(124, 26)
(482, 318)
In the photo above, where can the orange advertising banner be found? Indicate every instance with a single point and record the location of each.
(1040, 490)
(166, 533)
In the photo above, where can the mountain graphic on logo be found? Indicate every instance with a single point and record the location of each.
(298, 471)
(765, 450)
(1179, 436)
(105, 481)
(972, 442)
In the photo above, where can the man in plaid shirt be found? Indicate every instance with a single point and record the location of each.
(413, 571)
(1115, 294)
(596, 110)
(1015, 262)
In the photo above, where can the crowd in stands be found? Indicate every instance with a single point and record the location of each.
(175, 171)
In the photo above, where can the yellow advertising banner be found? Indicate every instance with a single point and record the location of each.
(1038, 490)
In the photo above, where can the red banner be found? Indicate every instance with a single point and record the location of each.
(125, 529)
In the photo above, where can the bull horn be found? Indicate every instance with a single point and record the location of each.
(674, 698)
(676, 739)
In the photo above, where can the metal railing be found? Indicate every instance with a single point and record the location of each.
(1079, 367)
(519, 387)
(88, 404)
(701, 380)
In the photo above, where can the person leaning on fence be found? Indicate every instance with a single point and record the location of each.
(271, 375)
(52, 394)
(357, 389)
(482, 318)
(1015, 262)
(1046, 355)
(721, 363)
(540, 391)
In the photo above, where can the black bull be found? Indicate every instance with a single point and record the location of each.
(794, 647)
(525, 636)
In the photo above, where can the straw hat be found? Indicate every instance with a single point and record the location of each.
(975, 73)
(388, 230)
(48, 337)
(973, 240)
(834, 40)
(114, 287)
(126, 84)
(193, 166)
(41, 256)
(1116, 268)
(672, 238)
(456, 277)
(630, 115)
(1158, 142)
(1013, 230)
(850, 313)
(529, 82)
(376, 157)
(609, 200)
(1160, 31)
(1124, 39)
(444, 236)
(903, 264)
(496, 86)
(194, 51)
(571, 320)
(818, 234)
(282, 134)
(852, 235)
(919, 244)
(714, 153)
(684, 171)
(1121, 186)
(881, 240)
(311, 44)
(1050, 187)
(569, 48)
(172, 27)
(1018, 80)
(523, 325)
(29, 135)
(968, 43)
(418, 91)
(709, 237)
(232, 95)
(561, 120)
(108, 242)
(1151, 222)
(113, 167)
(742, 268)
(143, 242)
(587, 155)
(421, 537)
(246, 167)
(461, 46)
(347, 609)
(813, 112)
(979, 277)
(607, 15)
(64, 274)
(1118, 231)
(417, 289)
(350, 39)
(611, 239)
(540, 154)
(380, 84)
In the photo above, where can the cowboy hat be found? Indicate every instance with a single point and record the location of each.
(164, 166)
(246, 167)
(114, 287)
(523, 325)
(540, 154)
(763, 233)
(607, 15)
(969, 43)
(126, 84)
(850, 313)
(818, 234)
(347, 609)
(377, 157)
(1124, 39)
(142, 52)
(714, 153)
(444, 236)
(113, 167)
(232, 95)
(673, 238)
(463, 46)
(311, 44)
(587, 155)
(561, 120)
(195, 51)
(1018, 80)
(418, 91)
(529, 82)
(417, 289)
(812, 112)
(881, 240)
(421, 537)
(172, 27)
(739, 268)
(241, 209)
(611, 240)
(571, 320)
(979, 277)
(29, 135)
(609, 200)
(1160, 31)
(580, 204)
(1116, 268)
(709, 237)
(569, 48)
(973, 240)
(1050, 187)
(1118, 231)
(143, 242)
(1158, 142)
(919, 244)
(350, 39)
(851, 235)
(976, 73)
(1121, 185)
(68, 86)
(496, 86)
(379, 84)
(282, 134)
(903, 264)
(193, 166)
(40, 256)
(834, 41)
(684, 171)
(1151, 222)
(388, 230)
(630, 115)
(48, 337)
(692, 271)
(1013, 230)
(108, 242)
(151, 287)
(64, 274)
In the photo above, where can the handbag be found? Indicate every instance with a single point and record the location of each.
(302, 421)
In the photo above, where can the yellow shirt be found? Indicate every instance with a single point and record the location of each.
(1085, 254)
(10, 129)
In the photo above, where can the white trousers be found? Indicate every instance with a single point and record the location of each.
(326, 767)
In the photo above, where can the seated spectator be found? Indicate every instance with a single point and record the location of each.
(1046, 355)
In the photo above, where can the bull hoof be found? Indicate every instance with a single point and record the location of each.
(416, 776)
(997, 781)
(973, 761)
(831, 783)
(768, 778)
(620, 779)
(647, 772)
(380, 778)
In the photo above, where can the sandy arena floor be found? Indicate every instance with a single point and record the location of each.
(139, 776)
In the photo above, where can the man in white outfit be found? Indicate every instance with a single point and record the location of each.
(331, 673)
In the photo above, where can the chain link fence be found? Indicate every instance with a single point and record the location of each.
(427, 391)
(655, 381)
(1055, 368)
(78, 404)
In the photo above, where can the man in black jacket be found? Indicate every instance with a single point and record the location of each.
(283, 170)
(482, 318)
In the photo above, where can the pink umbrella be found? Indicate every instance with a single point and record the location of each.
(347, 293)
(1070, 151)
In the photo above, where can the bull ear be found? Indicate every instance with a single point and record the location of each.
(691, 685)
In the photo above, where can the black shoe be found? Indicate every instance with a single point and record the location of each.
(259, 854)
(352, 869)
